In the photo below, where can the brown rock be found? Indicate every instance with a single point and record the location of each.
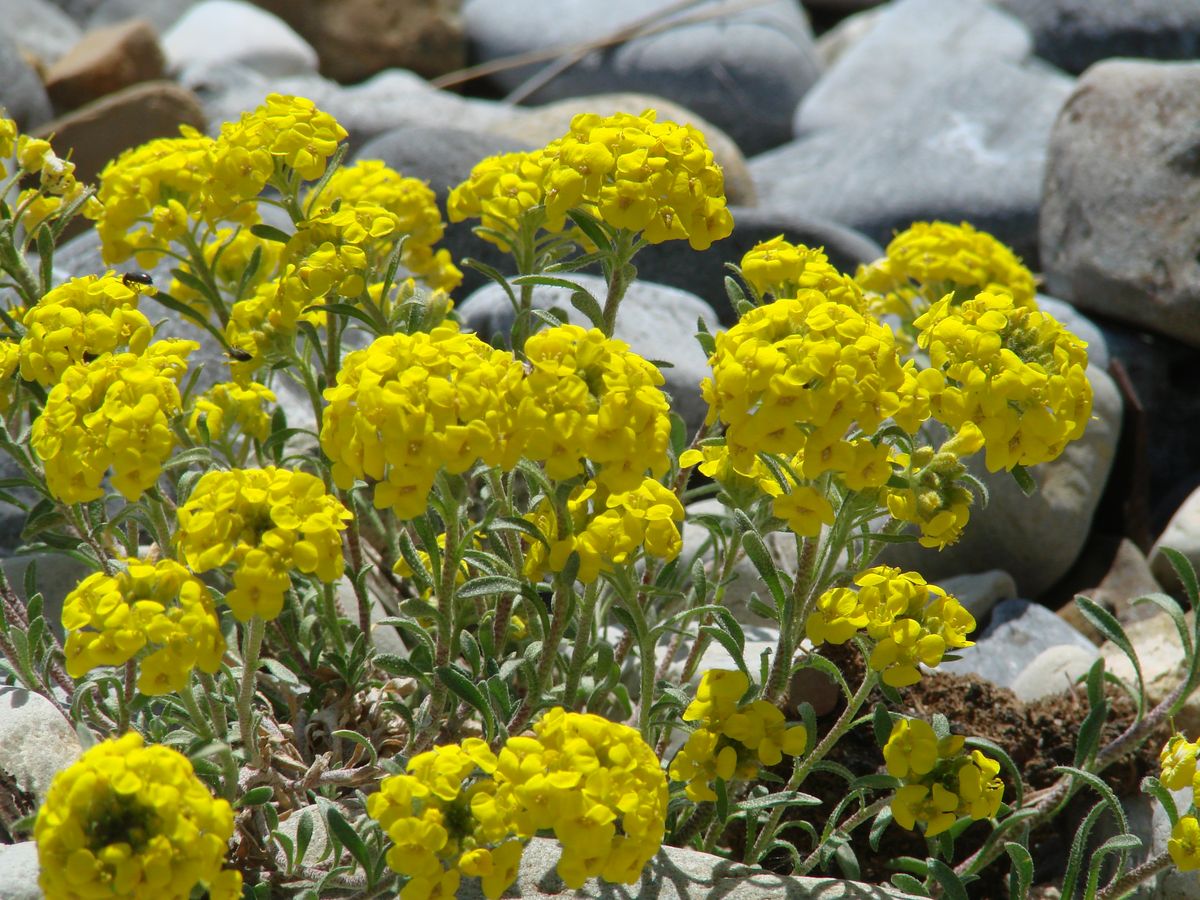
(1163, 662)
(1128, 577)
(98, 132)
(355, 39)
(542, 124)
(105, 61)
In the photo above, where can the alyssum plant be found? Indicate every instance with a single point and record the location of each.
(448, 607)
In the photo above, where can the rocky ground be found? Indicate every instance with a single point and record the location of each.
(1066, 127)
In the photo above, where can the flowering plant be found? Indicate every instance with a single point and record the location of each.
(451, 601)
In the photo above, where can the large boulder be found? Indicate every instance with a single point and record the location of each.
(1120, 222)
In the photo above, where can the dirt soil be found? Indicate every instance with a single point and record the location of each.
(1038, 736)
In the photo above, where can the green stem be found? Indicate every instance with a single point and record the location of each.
(863, 815)
(558, 625)
(251, 648)
(794, 616)
(620, 276)
(805, 767)
(1124, 885)
(583, 643)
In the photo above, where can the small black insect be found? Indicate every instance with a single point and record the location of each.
(129, 279)
(239, 354)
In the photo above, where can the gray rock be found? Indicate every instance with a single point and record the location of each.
(219, 32)
(355, 39)
(678, 874)
(1053, 671)
(440, 156)
(1083, 327)
(1121, 218)
(1074, 34)
(36, 741)
(56, 576)
(21, 93)
(910, 41)
(1163, 663)
(1016, 636)
(1037, 538)
(1171, 884)
(978, 593)
(745, 70)
(1183, 534)
(79, 10)
(19, 872)
(845, 34)
(950, 151)
(101, 130)
(162, 14)
(41, 28)
(655, 320)
(703, 273)
(106, 60)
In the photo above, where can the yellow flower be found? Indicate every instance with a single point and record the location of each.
(837, 618)
(912, 749)
(717, 697)
(980, 787)
(1178, 762)
(267, 522)
(793, 376)
(783, 269)
(110, 619)
(408, 405)
(127, 820)
(917, 803)
(167, 175)
(702, 759)
(1184, 845)
(1011, 370)
(113, 412)
(930, 259)
(77, 322)
(226, 405)
(590, 397)
(413, 206)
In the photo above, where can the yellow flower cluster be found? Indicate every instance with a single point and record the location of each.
(607, 529)
(129, 821)
(733, 739)
(793, 376)
(228, 405)
(269, 318)
(941, 782)
(1178, 765)
(408, 405)
(114, 412)
(590, 397)
(500, 191)
(77, 322)
(110, 619)
(928, 260)
(284, 133)
(57, 185)
(149, 195)
(595, 783)
(782, 269)
(428, 816)
(636, 173)
(1012, 370)
(267, 522)
(909, 621)
(414, 206)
